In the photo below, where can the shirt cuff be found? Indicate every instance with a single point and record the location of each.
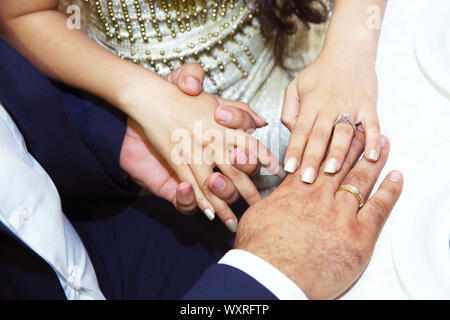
(263, 272)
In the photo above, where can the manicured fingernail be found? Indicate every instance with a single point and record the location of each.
(373, 155)
(241, 157)
(383, 141)
(263, 120)
(232, 225)
(193, 84)
(331, 166)
(209, 214)
(224, 115)
(308, 175)
(219, 184)
(360, 128)
(186, 191)
(291, 165)
(396, 176)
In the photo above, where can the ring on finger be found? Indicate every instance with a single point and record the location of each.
(345, 119)
(355, 191)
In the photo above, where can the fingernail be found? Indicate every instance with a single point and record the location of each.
(331, 166)
(395, 176)
(263, 120)
(373, 155)
(219, 184)
(209, 214)
(232, 225)
(308, 175)
(383, 141)
(241, 157)
(193, 84)
(186, 191)
(360, 128)
(224, 115)
(291, 165)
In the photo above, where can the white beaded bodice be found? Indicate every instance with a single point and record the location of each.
(224, 36)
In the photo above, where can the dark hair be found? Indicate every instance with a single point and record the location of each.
(278, 23)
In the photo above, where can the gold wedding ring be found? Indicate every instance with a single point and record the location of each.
(353, 190)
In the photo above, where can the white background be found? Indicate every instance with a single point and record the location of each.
(416, 119)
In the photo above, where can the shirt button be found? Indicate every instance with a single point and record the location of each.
(24, 214)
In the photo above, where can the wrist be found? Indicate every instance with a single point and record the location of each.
(142, 93)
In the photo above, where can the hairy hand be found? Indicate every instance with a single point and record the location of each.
(316, 235)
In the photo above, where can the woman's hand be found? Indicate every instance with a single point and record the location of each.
(341, 80)
(145, 166)
(330, 86)
(186, 132)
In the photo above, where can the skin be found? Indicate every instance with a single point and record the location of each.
(141, 161)
(341, 80)
(317, 237)
(72, 57)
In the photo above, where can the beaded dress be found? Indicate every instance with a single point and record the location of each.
(223, 36)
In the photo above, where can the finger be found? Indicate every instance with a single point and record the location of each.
(242, 182)
(339, 147)
(246, 163)
(234, 118)
(185, 199)
(376, 211)
(188, 78)
(363, 177)
(257, 150)
(291, 106)
(223, 188)
(202, 175)
(315, 149)
(372, 131)
(333, 181)
(185, 174)
(259, 120)
(298, 140)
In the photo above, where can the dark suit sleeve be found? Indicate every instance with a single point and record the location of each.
(76, 141)
(101, 128)
(223, 282)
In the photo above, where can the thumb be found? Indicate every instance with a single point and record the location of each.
(375, 212)
(188, 78)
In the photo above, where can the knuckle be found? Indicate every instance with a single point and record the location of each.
(377, 211)
(321, 133)
(286, 121)
(300, 130)
(344, 129)
(358, 178)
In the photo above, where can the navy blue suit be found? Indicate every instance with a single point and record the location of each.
(141, 248)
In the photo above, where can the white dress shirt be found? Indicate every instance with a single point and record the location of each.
(30, 208)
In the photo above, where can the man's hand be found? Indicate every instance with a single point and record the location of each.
(315, 234)
(144, 165)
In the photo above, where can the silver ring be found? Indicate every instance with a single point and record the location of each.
(345, 119)
(353, 190)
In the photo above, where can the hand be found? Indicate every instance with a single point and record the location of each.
(315, 235)
(141, 161)
(336, 83)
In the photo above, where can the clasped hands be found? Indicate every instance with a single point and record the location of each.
(315, 235)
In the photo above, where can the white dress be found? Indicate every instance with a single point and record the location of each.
(224, 36)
